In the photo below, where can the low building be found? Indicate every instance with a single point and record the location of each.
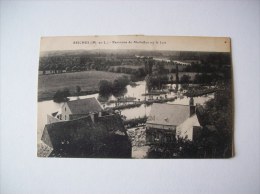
(103, 136)
(167, 122)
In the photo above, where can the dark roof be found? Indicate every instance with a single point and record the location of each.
(112, 122)
(168, 114)
(81, 129)
(58, 133)
(106, 137)
(84, 106)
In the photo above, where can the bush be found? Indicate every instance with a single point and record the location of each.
(119, 85)
(185, 79)
(61, 95)
(105, 87)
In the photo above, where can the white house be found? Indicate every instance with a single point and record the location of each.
(76, 109)
(168, 122)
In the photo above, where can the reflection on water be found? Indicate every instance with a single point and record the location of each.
(48, 107)
(136, 112)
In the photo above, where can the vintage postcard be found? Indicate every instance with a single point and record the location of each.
(135, 97)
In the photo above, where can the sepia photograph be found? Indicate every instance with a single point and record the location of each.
(136, 96)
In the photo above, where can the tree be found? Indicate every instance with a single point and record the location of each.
(185, 79)
(148, 82)
(105, 87)
(202, 79)
(149, 62)
(120, 83)
(219, 113)
(171, 78)
(61, 95)
(177, 73)
(78, 90)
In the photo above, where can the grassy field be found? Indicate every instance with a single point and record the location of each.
(191, 74)
(128, 66)
(87, 80)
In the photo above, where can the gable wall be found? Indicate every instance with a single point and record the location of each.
(65, 112)
(186, 128)
(51, 119)
(46, 138)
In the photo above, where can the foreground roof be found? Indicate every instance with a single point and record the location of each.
(105, 137)
(61, 132)
(168, 114)
(81, 129)
(84, 106)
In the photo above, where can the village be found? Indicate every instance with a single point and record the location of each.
(163, 115)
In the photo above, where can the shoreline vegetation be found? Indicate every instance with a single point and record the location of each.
(74, 94)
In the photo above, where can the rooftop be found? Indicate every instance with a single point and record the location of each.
(78, 130)
(168, 114)
(84, 106)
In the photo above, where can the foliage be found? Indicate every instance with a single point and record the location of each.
(78, 90)
(105, 87)
(185, 79)
(156, 81)
(149, 62)
(120, 83)
(117, 87)
(202, 79)
(61, 95)
(219, 113)
(180, 148)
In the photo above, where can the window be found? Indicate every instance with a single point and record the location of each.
(65, 109)
(65, 117)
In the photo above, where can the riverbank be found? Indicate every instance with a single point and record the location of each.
(139, 103)
(82, 93)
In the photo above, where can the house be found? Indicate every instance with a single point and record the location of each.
(76, 109)
(167, 122)
(103, 136)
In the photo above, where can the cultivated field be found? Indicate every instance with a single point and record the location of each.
(87, 80)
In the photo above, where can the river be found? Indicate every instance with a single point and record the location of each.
(48, 106)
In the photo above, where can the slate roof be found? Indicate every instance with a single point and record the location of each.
(57, 133)
(73, 131)
(168, 114)
(112, 122)
(84, 106)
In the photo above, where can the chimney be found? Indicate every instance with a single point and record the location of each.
(191, 101)
(192, 110)
(192, 107)
(92, 117)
